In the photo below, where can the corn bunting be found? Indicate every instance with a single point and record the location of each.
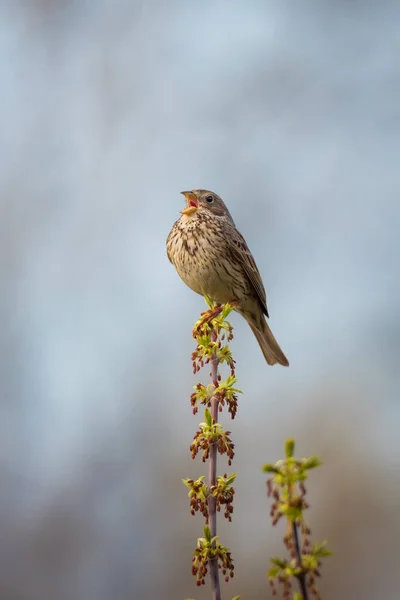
(213, 259)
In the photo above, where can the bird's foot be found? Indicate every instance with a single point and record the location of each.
(206, 317)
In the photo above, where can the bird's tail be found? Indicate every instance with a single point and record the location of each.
(268, 344)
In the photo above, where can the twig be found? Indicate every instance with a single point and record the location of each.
(286, 487)
(210, 555)
(212, 480)
(302, 576)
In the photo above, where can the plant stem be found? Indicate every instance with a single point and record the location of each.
(302, 576)
(212, 480)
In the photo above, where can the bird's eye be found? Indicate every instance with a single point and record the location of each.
(210, 199)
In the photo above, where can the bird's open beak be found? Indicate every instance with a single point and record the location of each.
(191, 203)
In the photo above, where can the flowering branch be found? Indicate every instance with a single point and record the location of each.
(213, 333)
(286, 487)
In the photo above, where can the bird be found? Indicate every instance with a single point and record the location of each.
(213, 259)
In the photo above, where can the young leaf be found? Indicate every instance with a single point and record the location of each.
(208, 417)
(229, 480)
(311, 462)
(289, 448)
(269, 468)
(207, 533)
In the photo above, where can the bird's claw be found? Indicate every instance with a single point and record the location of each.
(207, 317)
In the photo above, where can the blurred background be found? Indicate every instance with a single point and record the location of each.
(291, 112)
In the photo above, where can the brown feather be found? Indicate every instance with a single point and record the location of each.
(269, 346)
(245, 257)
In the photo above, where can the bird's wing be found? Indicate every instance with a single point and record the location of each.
(245, 257)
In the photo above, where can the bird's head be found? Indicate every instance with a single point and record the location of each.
(204, 201)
